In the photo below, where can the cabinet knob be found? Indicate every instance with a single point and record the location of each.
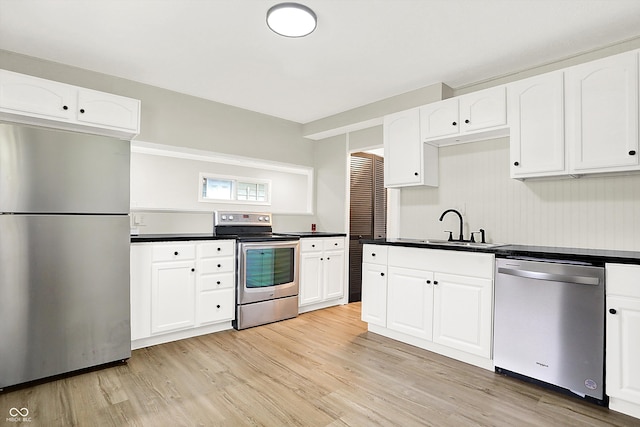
(219, 249)
(193, 269)
(219, 265)
(435, 282)
(328, 258)
(313, 246)
(82, 111)
(335, 244)
(415, 173)
(428, 282)
(373, 254)
(382, 274)
(321, 259)
(454, 124)
(613, 311)
(632, 152)
(64, 107)
(218, 306)
(516, 163)
(175, 253)
(466, 121)
(218, 282)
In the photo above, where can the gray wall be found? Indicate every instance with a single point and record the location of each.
(172, 118)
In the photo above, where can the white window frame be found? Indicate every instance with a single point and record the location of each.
(234, 189)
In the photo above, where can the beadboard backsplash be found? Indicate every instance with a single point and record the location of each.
(600, 212)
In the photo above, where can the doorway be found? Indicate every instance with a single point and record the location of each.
(367, 212)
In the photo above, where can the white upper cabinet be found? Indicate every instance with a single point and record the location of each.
(32, 100)
(465, 118)
(33, 96)
(602, 115)
(105, 109)
(440, 119)
(536, 120)
(407, 161)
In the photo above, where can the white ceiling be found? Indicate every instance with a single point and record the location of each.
(362, 50)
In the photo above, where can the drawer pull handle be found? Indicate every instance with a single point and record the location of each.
(632, 152)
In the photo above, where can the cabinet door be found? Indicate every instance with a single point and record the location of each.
(333, 274)
(536, 118)
(623, 348)
(310, 278)
(374, 294)
(602, 114)
(483, 109)
(216, 306)
(402, 149)
(34, 96)
(462, 313)
(105, 109)
(172, 296)
(410, 302)
(439, 119)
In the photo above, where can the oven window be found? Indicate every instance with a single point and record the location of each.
(269, 267)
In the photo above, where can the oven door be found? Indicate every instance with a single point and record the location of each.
(267, 270)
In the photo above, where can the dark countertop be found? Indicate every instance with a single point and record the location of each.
(313, 234)
(175, 237)
(546, 252)
(142, 238)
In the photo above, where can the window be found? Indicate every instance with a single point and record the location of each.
(234, 189)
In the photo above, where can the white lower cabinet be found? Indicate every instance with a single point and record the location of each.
(374, 294)
(623, 343)
(462, 313)
(410, 302)
(172, 295)
(439, 300)
(181, 289)
(322, 272)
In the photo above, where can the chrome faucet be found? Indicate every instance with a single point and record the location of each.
(461, 237)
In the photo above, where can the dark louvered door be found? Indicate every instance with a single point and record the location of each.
(368, 212)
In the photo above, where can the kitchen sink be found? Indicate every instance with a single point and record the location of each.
(448, 243)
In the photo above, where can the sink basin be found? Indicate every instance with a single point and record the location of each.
(449, 243)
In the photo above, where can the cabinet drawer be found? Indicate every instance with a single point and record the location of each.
(623, 280)
(333, 243)
(375, 254)
(311, 245)
(173, 252)
(211, 282)
(215, 249)
(216, 306)
(215, 265)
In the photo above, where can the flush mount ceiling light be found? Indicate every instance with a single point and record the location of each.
(291, 20)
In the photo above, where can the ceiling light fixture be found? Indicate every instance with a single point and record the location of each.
(291, 20)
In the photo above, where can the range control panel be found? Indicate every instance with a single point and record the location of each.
(241, 218)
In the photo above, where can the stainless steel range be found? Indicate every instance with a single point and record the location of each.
(266, 268)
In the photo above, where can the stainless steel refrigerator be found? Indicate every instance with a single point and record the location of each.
(64, 252)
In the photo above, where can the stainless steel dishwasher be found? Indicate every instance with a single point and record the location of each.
(549, 324)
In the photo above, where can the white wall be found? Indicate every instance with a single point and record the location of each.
(589, 212)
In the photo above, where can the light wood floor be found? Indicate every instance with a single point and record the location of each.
(320, 369)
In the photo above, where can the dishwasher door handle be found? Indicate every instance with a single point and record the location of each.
(580, 280)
